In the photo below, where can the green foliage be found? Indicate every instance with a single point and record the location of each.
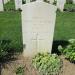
(69, 51)
(20, 70)
(60, 48)
(47, 64)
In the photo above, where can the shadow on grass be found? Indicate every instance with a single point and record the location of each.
(3, 64)
(7, 53)
(56, 43)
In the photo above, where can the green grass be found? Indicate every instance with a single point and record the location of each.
(65, 26)
(69, 6)
(10, 28)
(9, 5)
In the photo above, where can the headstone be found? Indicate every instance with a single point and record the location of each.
(40, 0)
(60, 4)
(74, 1)
(18, 4)
(1, 5)
(38, 22)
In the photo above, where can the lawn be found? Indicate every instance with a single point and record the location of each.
(65, 26)
(9, 5)
(69, 6)
(10, 25)
(10, 28)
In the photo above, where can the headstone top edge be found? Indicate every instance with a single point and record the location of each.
(40, 2)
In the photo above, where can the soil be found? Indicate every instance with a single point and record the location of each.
(10, 68)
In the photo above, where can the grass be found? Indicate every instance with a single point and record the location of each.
(10, 28)
(65, 26)
(69, 6)
(9, 5)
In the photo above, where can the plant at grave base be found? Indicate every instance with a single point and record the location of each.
(69, 50)
(47, 64)
(20, 70)
(60, 48)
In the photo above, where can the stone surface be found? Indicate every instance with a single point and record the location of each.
(60, 4)
(38, 22)
(40, 0)
(18, 4)
(74, 1)
(1, 5)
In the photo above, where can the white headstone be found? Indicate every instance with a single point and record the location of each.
(18, 4)
(60, 4)
(39, 0)
(1, 5)
(74, 1)
(38, 22)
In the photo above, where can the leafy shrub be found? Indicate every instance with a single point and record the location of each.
(69, 51)
(47, 64)
(20, 70)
